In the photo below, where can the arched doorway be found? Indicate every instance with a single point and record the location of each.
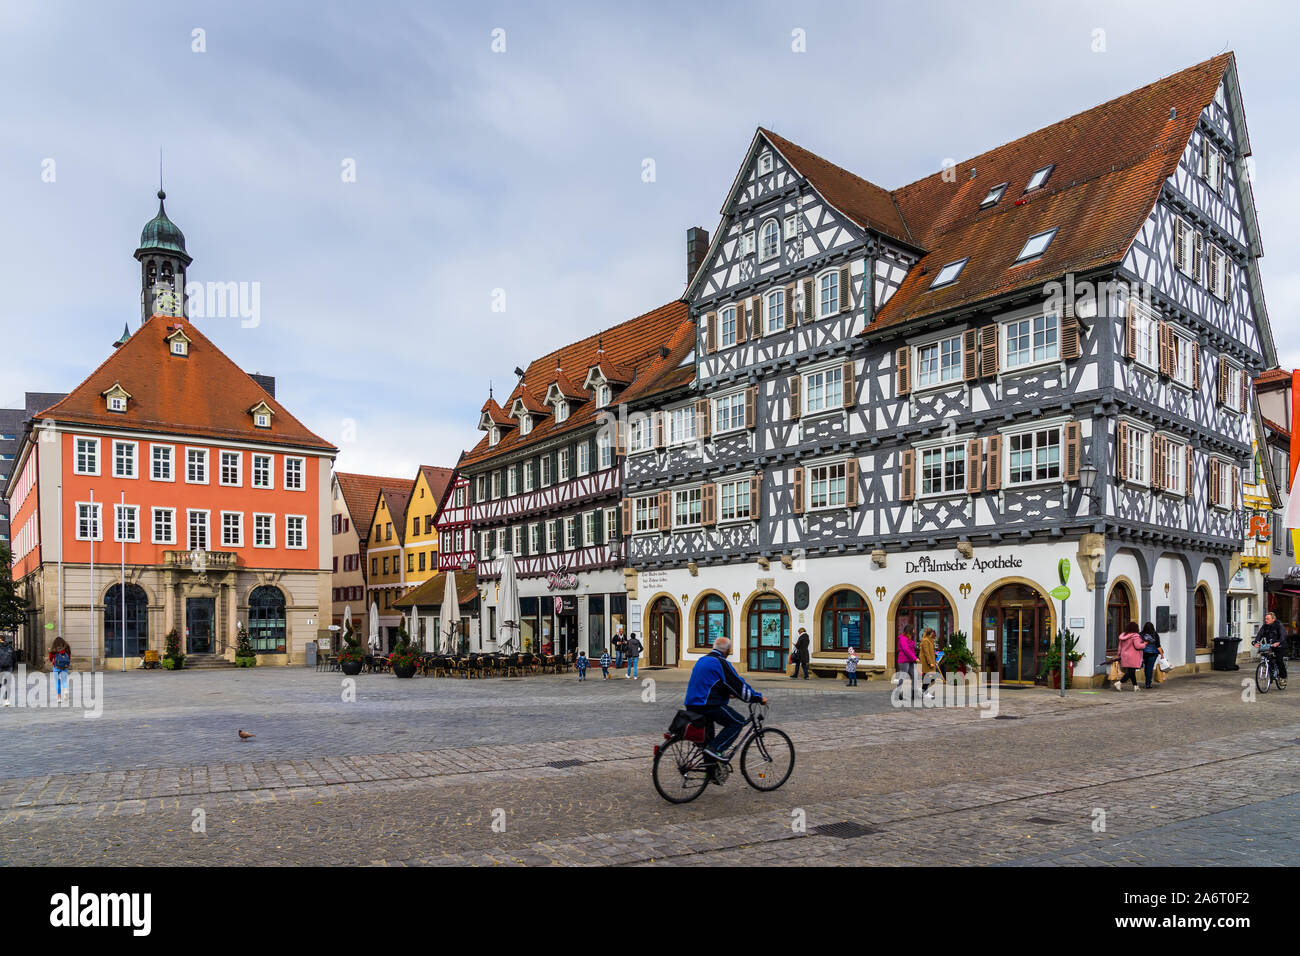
(136, 629)
(1119, 611)
(1021, 624)
(266, 620)
(712, 621)
(767, 634)
(845, 623)
(663, 633)
(924, 607)
(1201, 606)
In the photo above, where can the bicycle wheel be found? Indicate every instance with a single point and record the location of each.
(679, 771)
(1262, 677)
(768, 759)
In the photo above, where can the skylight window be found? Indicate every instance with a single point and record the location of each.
(994, 195)
(1040, 177)
(949, 273)
(1036, 245)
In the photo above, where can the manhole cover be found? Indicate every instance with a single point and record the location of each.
(1045, 822)
(843, 831)
(563, 764)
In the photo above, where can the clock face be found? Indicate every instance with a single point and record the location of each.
(164, 302)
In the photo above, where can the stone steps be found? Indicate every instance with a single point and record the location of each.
(207, 662)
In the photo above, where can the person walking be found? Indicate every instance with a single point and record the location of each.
(6, 669)
(580, 665)
(1130, 655)
(851, 666)
(800, 655)
(633, 652)
(929, 664)
(907, 656)
(60, 659)
(1150, 652)
(604, 663)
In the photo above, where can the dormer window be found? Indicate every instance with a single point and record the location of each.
(1035, 246)
(603, 395)
(494, 436)
(949, 273)
(1037, 180)
(261, 413)
(561, 411)
(117, 404)
(116, 398)
(525, 424)
(994, 195)
(178, 343)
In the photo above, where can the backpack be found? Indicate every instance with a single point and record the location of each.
(62, 660)
(6, 657)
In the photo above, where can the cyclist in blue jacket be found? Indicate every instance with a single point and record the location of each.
(714, 682)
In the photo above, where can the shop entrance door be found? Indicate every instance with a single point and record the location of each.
(664, 628)
(198, 625)
(1019, 617)
(768, 635)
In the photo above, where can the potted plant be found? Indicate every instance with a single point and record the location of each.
(957, 656)
(1065, 646)
(173, 659)
(352, 656)
(405, 655)
(245, 656)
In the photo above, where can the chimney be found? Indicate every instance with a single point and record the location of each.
(266, 381)
(697, 247)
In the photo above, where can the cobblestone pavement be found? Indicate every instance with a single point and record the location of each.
(458, 772)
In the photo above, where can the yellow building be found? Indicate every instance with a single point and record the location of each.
(420, 541)
(386, 581)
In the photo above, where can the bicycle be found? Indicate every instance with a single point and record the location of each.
(682, 771)
(1266, 673)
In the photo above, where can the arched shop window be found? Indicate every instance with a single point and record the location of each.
(924, 607)
(1119, 611)
(846, 622)
(266, 623)
(712, 621)
(137, 621)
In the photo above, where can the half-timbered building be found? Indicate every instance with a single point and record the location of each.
(937, 393)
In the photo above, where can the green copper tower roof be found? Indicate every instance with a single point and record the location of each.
(160, 234)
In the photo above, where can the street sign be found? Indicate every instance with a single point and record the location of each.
(1061, 593)
(1063, 569)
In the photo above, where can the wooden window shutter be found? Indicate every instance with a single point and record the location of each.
(1121, 450)
(849, 397)
(1198, 249)
(755, 496)
(710, 332)
(796, 489)
(702, 418)
(974, 466)
(969, 355)
(1130, 331)
(1221, 185)
(1245, 391)
(659, 429)
(1196, 365)
(903, 370)
(809, 302)
(846, 290)
(709, 504)
(665, 511)
(1236, 486)
(1222, 383)
(1158, 452)
(757, 329)
(993, 463)
(789, 306)
(1212, 477)
(989, 350)
(1180, 244)
(741, 324)
(626, 528)
(796, 394)
(1165, 336)
(1070, 349)
(620, 441)
(1073, 451)
(1191, 472)
(1205, 157)
(907, 489)
(851, 483)
(751, 407)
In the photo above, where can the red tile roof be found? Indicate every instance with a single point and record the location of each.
(431, 592)
(628, 349)
(361, 494)
(1281, 430)
(437, 479)
(396, 497)
(203, 394)
(1273, 376)
(666, 373)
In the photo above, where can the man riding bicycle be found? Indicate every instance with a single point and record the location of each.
(1272, 635)
(713, 682)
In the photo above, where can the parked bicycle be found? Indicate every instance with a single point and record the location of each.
(682, 769)
(1266, 673)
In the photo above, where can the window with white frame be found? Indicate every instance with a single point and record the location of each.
(552, 535)
(116, 403)
(584, 458)
(943, 469)
(792, 226)
(940, 362)
(747, 244)
(263, 531)
(1035, 246)
(232, 463)
(1233, 387)
(1184, 365)
(516, 539)
(294, 474)
(88, 522)
(823, 389)
(770, 246)
(534, 538)
(232, 529)
(1175, 476)
(527, 468)
(828, 293)
(1034, 456)
(605, 450)
(611, 519)
(196, 466)
(638, 433)
(525, 424)
(1218, 270)
(1032, 340)
(603, 395)
(87, 456)
(589, 529)
(775, 310)
(1186, 239)
(729, 412)
(496, 484)
(948, 274)
(827, 486)
(645, 514)
(124, 459)
(1146, 338)
(162, 456)
(764, 163)
(295, 532)
(733, 500)
(562, 465)
(1222, 487)
(1039, 178)
(545, 468)
(727, 326)
(262, 474)
(126, 523)
(561, 411)
(512, 481)
(164, 525)
(686, 507)
(570, 533)
(499, 539)
(994, 195)
(197, 524)
(1137, 455)
(681, 425)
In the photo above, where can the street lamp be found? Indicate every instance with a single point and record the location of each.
(1087, 480)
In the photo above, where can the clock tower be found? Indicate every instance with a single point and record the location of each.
(163, 261)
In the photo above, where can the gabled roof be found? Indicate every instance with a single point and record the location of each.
(495, 413)
(1273, 378)
(396, 496)
(361, 495)
(438, 480)
(205, 394)
(431, 592)
(628, 348)
(564, 385)
(666, 372)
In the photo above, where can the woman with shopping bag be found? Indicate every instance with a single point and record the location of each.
(1130, 655)
(1151, 651)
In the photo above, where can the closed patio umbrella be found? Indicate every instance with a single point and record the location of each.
(374, 627)
(449, 613)
(508, 606)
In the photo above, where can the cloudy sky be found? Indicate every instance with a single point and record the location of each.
(518, 170)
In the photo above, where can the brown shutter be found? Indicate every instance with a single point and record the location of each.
(849, 397)
(1070, 338)
(1130, 331)
(1205, 158)
(665, 511)
(1121, 450)
(710, 332)
(846, 290)
(620, 438)
(740, 322)
(789, 306)
(903, 370)
(1245, 391)
(851, 483)
(702, 418)
(1196, 366)
(809, 303)
(1191, 472)
(755, 496)
(907, 491)
(993, 463)
(626, 529)
(989, 350)
(659, 429)
(974, 469)
(1198, 244)
(796, 395)
(1157, 462)
(1073, 451)
(1212, 479)
(970, 363)
(1236, 486)
(1222, 383)
(751, 407)
(1180, 244)
(757, 329)
(796, 489)
(1165, 337)
(709, 505)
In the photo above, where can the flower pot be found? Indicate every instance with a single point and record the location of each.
(351, 668)
(1056, 678)
(404, 670)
